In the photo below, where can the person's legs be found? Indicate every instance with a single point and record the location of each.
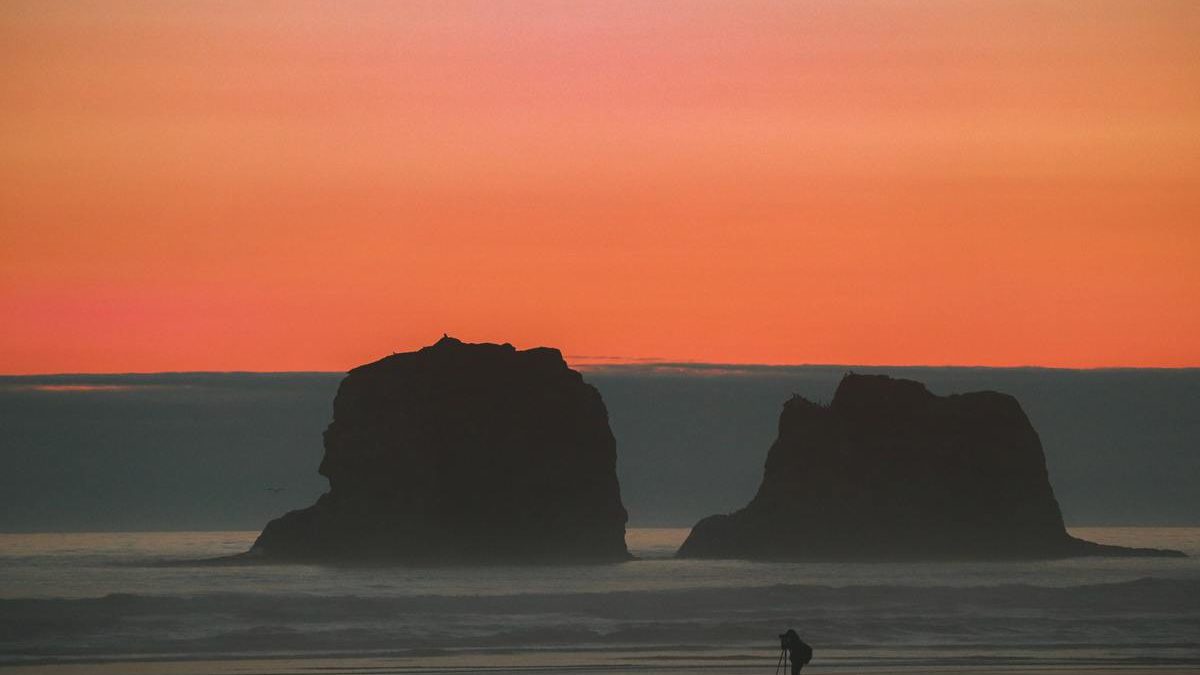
(796, 666)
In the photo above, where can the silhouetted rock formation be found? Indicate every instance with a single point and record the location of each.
(890, 471)
(462, 453)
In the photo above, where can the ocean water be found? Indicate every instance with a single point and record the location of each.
(104, 598)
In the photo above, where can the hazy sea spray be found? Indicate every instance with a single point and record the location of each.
(1088, 609)
(1138, 619)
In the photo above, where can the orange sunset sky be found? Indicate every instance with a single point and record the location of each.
(308, 186)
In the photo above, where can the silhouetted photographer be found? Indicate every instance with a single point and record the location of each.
(792, 648)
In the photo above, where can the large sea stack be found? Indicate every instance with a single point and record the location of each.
(889, 471)
(459, 452)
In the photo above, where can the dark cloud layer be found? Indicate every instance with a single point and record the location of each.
(205, 450)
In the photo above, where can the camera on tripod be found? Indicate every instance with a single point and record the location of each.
(794, 650)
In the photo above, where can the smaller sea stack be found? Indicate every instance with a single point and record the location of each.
(889, 471)
(462, 453)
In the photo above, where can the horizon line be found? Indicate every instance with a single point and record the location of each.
(614, 362)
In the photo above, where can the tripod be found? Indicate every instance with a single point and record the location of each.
(783, 659)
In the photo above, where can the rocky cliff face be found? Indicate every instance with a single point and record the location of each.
(462, 453)
(890, 471)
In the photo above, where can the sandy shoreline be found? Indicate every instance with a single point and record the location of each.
(345, 667)
(565, 662)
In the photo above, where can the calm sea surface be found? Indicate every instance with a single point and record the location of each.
(121, 597)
